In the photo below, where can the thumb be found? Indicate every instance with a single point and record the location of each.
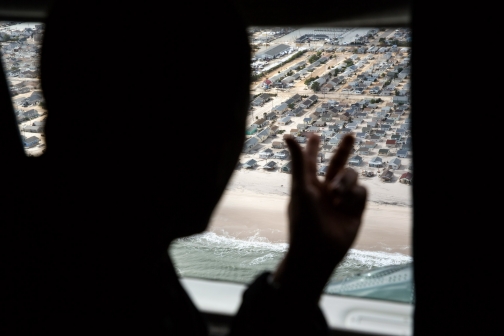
(298, 173)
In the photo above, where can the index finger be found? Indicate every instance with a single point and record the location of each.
(339, 159)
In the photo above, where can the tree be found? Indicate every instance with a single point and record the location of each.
(315, 86)
(291, 106)
(257, 117)
(397, 92)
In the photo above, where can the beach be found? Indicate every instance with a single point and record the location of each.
(254, 206)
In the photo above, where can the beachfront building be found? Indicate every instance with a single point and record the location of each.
(251, 129)
(250, 164)
(268, 152)
(376, 162)
(249, 144)
(287, 167)
(283, 154)
(30, 142)
(271, 165)
(406, 178)
(355, 160)
(387, 176)
(395, 163)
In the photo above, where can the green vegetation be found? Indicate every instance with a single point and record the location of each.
(315, 86)
(280, 131)
(314, 58)
(311, 79)
(291, 106)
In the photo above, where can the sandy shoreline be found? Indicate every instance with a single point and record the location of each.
(255, 205)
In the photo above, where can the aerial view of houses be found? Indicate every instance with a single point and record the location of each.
(348, 81)
(20, 48)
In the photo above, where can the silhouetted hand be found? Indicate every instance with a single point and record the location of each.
(324, 218)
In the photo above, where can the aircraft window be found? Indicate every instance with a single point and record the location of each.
(20, 46)
(360, 79)
(362, 71)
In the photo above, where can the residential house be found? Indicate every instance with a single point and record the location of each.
(250, 164)
(283, 154)
(268, 152)
(306, 103)
(334, 141)
(320, 123)
(396, 137)
(273, 130)
(261, 123)
(312, 129)
(376, 162)
(30, 142)
(387, 175)
(287, 167)
(369, 144)
(328, 148)
(264, 134)
(301, 127)
(394, 116)
(271, 116)
(363, 150)
(395, 163)
(313, 98)
(355, 160)
(280, 109)
(33, 129)
(308, 121)
(294, 131)
(284, 121)
(391, 143)
(261, 99)
(400, 100)
(402, 153)
(362, 136)
(297, 111)
(278, 144)
(300, 139)
(270, 165)
(249, 144)
(251, 129)
(401, 131)
(384, 151)
(406, 178)
(328, 134)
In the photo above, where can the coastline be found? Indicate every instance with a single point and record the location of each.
(254, 207)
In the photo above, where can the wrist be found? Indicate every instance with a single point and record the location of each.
(301, 277)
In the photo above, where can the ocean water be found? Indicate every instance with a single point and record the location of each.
(212, 256)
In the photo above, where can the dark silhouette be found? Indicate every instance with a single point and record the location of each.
(140, 146)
